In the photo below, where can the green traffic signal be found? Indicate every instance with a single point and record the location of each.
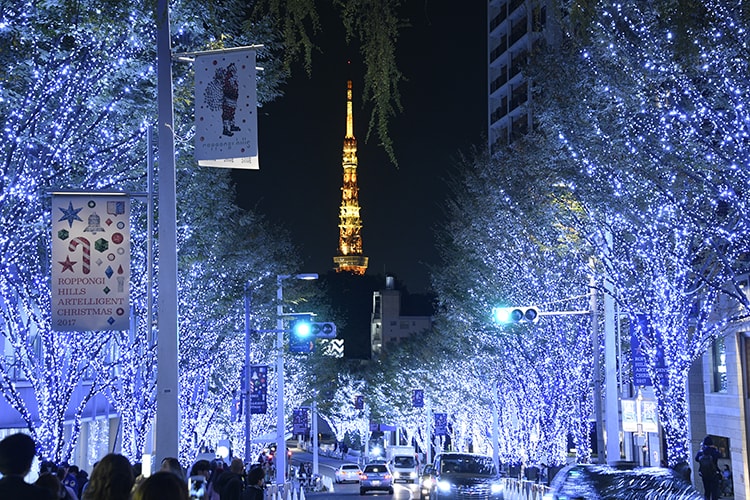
(301, 328)
(300, 335)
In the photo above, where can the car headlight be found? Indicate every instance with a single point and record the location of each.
(496, 488)
(444, 486)
(427, 483)
(396, 474)
(412, 474)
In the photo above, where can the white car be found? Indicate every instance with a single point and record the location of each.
(347, 472)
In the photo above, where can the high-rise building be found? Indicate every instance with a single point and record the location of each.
(514, 28)
(350, 258)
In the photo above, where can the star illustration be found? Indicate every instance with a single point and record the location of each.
(70, 214)
(67, 264)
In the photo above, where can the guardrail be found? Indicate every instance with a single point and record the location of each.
(516, 489)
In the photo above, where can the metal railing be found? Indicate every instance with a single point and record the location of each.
(516, 489)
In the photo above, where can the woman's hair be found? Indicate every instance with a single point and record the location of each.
(171, 464)
(200, 466)
(111, 479)
(50, 482)
(163, 485)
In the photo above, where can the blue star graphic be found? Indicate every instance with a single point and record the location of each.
(70, 214)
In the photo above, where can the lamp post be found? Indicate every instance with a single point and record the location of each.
(280, 457)
(246, 404)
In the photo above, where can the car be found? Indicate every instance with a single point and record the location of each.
(375, 477)
(426, 481)
(602, 482)
(465, 475)
(346, 473)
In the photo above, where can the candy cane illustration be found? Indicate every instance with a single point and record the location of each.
(86, 247)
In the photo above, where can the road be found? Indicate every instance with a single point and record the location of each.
(327, 466)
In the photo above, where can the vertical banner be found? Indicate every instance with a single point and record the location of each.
(417, 398)
(629, 416)
(639, 363)
(226, 118)
(649, 416)
(301, 423)
(441, 424)
(90, 262)
(258, 389)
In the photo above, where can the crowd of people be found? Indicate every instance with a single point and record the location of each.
(115, 478)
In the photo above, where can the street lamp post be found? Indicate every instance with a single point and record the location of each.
(246, 395)
(280, 457)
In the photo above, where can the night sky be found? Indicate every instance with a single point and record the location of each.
(443, 58)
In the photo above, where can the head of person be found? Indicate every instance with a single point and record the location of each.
(171, 464)
(201, 468)
(47, 466)
(163, 485)
(237, 466)
(16, 454)
(256, 476)
(111, 479)
(52, 483)
(708, 441)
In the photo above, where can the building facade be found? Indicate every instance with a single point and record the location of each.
(387, 325)
(514, 28)
(718, 399)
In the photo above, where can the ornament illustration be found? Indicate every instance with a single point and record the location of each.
(94, 224)
(67, 264)
(85, 248)
(70, 214)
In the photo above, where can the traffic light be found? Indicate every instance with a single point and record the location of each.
(323, 330)
(300, 335)
(506, 315)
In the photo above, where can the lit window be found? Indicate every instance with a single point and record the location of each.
(719, 365)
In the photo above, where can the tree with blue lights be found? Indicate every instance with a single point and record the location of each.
(76, 96)
(71, 119)
(510, 243)
(651, 113)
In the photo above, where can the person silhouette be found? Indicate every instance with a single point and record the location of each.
(16, 456)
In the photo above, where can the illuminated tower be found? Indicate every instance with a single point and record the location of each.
(350, 256)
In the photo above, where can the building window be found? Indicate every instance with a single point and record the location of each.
(719, 365)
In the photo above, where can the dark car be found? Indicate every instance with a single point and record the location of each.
(375, 477)
(426, 481)
(601, 482)
(466, 475)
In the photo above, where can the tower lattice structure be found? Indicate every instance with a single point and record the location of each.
(350, 258)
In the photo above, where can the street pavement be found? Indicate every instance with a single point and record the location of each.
(327, 466)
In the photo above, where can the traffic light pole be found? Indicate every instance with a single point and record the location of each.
(280, 457)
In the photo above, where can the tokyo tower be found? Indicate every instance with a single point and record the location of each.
(350, 258)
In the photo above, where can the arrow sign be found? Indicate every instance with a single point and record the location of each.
(323, 330)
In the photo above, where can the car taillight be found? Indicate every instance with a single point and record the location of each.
(387, 476)
(363, 476)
